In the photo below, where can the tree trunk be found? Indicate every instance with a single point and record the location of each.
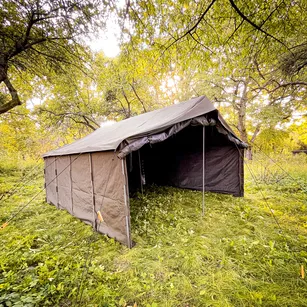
(15, 101)
(249, 153)
(241, 108)
(242, 114)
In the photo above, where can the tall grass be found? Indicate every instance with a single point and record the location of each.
(236, 255)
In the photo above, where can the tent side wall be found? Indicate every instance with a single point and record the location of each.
(87, 183)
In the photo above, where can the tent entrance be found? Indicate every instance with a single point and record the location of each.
(178, 162)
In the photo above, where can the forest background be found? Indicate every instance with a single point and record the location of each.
(249, 59)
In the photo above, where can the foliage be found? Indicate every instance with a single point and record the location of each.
(299, 134)
(19, 136)
(39, 36)
(70, 106)
(74, 104)
(233, 256)
(129, 83)
(274, 140)
(228, 50)
(170, 51)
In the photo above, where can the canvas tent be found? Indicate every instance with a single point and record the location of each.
(186, 145)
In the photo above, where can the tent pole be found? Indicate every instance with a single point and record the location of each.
(71, 187)
(56, 183)
(92, 188)
(126, 195)
(204, 148)
(140, 167)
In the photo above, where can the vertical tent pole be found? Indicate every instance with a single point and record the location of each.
(140, 167)
(126, 195)
(92, 187)
(204, 148)
(45, 178)
(71, 187)
(56, 182)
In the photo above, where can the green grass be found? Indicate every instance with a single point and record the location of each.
(233, 256)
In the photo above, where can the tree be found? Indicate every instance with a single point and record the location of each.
(251, 95)
(299, 133)
(71, 103)
(224, 20)
(232, 52)
(38, 36)
(130, 83)
(19, 136)
(74, 104)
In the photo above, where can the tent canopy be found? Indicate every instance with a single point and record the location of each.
(110, 137)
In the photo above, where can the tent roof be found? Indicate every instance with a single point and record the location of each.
(109, 137)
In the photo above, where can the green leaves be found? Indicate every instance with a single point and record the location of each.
(43, 37)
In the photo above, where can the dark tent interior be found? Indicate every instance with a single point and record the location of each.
(178, 162)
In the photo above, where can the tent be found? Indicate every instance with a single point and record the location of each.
(186, 145)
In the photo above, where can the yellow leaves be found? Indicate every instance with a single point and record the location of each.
(8, 141)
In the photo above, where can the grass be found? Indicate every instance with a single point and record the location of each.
(235, 255)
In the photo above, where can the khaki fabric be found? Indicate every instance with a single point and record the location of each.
(50, 181)
(64, 183)
(81, 188)
(76, 184)
(109, 181)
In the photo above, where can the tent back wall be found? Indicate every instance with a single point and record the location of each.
(178, 162)
(89, 183)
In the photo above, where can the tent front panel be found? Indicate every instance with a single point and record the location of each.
(110, 193)
(222, 170)
(88, 183)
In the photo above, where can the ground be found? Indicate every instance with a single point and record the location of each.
(243, 252)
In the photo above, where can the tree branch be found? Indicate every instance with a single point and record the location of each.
(198, 42)
(234, 32)
(15, 101)
(138, 97)
(71, 115)
(256, 132)
(189, 31)
(128, 103)
(280, 85)
(256, 26)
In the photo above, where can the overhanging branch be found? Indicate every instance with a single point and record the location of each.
(280, 85)
(244, 17)
(190, 31)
